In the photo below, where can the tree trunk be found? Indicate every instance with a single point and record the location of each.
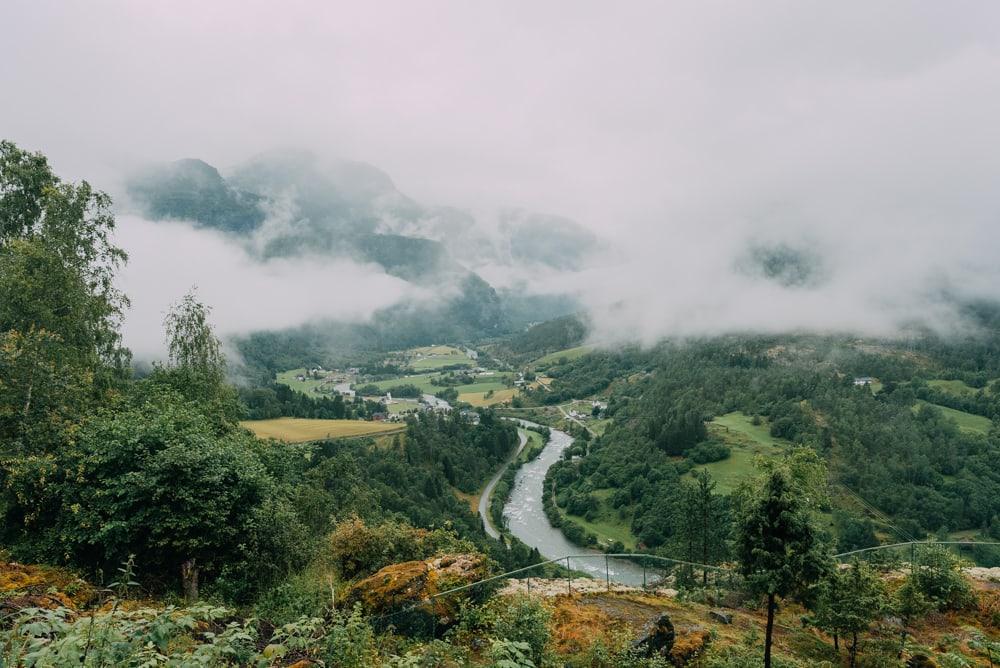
(189, 580)
(836, 642)
(854, 649)
(769, 632)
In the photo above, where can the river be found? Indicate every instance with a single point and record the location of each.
(526, 519)
(484, 498)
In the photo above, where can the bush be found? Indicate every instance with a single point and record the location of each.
(357, 549)
(938, 576)
(519, 619)
(708, 452)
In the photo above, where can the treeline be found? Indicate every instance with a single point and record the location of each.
(914, 464)
(465, 454)
(278, 400)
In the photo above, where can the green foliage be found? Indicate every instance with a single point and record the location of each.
(151, 477)
(938, 576)
(520, 619)
(142, 637)
(510, 654)
(777, 547)
(60, 349)
(702, 523)
(849, 601)
(358, 550)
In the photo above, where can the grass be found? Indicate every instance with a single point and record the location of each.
(569, 354)
(746, 441)
(500, 396)
(967, 422)
(307, 386)
(440, 361)
(435, 357)
(423, 381)
(400, 405)
(955, 387)
(607, 526)
(303, 430)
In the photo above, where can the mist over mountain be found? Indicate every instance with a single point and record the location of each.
(292, 203)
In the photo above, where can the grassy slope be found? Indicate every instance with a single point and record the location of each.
(956, 387)
(307, 386)
(746, 441)
(966, 421)
(499, 396)
(302, 430)
(569, 353)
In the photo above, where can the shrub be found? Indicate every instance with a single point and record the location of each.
(356, 548)
(938, 576)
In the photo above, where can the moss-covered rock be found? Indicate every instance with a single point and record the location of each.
(24, 586)
(400, 586)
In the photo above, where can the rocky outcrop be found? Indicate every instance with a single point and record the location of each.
(402, 585)
(657, 639)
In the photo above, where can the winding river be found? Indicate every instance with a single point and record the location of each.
(526, 519)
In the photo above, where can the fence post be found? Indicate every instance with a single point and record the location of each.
(529, 585)
(569, 578)
(607, 572)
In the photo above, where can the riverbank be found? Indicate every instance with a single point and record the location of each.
(526, 520)
(487, 492)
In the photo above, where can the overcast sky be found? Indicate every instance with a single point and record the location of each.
(678, 129)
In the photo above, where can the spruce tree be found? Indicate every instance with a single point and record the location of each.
(778, 547)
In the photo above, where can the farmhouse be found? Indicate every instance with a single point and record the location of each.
(863, 380)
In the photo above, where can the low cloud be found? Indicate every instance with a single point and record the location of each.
(168, 259)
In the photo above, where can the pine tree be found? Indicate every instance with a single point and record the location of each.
(778, 547)
(849, 602)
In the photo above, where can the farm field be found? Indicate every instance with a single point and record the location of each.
(966, 421)
(307, 386)
(423, 381)
(435, 357)
(746, 440)
(479, 398)
(401, 405)
(303, 430)
(569, 354)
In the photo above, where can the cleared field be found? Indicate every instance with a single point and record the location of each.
(307, 386)
(569, 354)
(440, 361)
(607, 526)
(435, 350)
(436, 357)
(968, 422)
(500, 396)
(746, 441)
(956, 387)
(303, 430)
(422, 380)
(401, 405)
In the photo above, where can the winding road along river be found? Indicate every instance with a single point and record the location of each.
(526, 519)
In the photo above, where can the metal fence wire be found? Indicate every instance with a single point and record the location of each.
(422, 616)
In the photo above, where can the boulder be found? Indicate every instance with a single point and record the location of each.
(657, 638)
(404, 584)
(721, 617)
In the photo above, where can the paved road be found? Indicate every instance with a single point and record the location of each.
(484, 498)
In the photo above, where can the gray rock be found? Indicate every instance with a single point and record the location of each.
(657, 639)
(721, 617)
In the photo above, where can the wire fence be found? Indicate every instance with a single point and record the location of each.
(655, 571)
